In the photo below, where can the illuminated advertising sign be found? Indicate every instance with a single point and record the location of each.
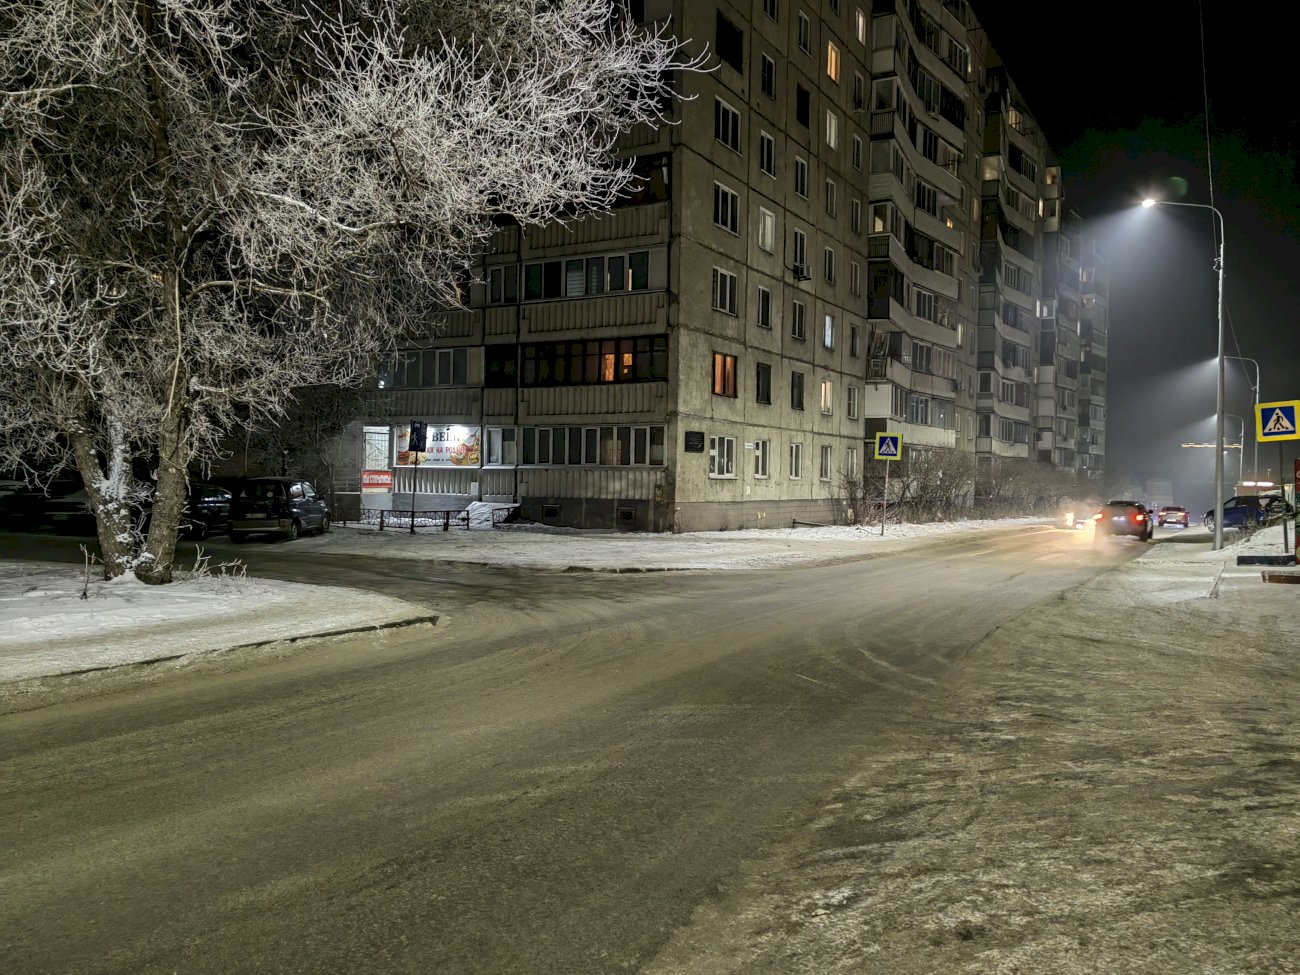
(450, 445)
(376, 482)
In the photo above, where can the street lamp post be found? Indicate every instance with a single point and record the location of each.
(1254, 464)
(1218, 406)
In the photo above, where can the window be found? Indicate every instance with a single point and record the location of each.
(859, 91)
(925, 304)
(801, 176)
(800, 249)
(832, 62)
(856, 154)
(828, 397)
(582, 363)
(547, 280)
(430, 367)
(726, 208)
(855, 340)
(853, 402)
(798, 311)
(851, 461)
(763, 383)
(726, 124)
(832, 129)
(830, 197)
(805, 33)
(802, 105)
(828, 332)
(730, 43)
(724, 291)
(724, 374)
(855, 278)
(767, 76)
(501, 446)
(764, 308)
(796, 460)
(927, 198)
(503, 285)
(766, 229)
(767, 154)
(824, 469)
(855, 216)
(762, 450)
(860, 25)
(770, 8)
(828, 264)
(722, 456)
(796, 391)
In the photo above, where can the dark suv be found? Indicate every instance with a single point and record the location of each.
(285, 506)
(1125, 518)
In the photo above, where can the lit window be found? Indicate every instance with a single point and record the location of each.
(832, 62)
(724, 374)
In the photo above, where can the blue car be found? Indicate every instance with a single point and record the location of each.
(1244, 511)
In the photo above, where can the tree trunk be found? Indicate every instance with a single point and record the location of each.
(114, 520)
(155, 565)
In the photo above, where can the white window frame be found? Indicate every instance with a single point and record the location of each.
(724, 291)
(766, 73)
(801, 177)
(796, 461)
(828, 264)
(824, 471)
(798, 320)
(722, 456)
(852, 404)
(828, 397)
(833, 61)
(726, 208)
(832, 129)
(828, 331)
(726, 123)
(766, 229)
(767, 154)
(764, 307)
(805, 33)
(762, 457)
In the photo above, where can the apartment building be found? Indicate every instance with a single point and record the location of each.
(842, 234)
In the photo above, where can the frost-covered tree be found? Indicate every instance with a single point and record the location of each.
(205, 204)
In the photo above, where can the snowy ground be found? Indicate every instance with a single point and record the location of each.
(47, 627)
(1105, 785)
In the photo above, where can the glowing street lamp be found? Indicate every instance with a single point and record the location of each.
(1218, 407)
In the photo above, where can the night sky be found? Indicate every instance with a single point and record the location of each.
(1120, 94)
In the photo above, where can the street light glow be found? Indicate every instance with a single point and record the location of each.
(1219, 266)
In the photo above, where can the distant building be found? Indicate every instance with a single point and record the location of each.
(855, 227)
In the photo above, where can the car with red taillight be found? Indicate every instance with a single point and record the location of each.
(1125, 518)
(1172, 514)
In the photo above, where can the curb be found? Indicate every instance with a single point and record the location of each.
(430, 619)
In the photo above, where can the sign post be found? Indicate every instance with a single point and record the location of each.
(416, 444)
(889, 446)
(1279, 421)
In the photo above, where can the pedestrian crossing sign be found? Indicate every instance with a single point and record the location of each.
(1277, 421)
(889, 446)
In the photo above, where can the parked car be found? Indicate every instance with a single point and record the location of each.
(1125, 518)
(62, 504)
(285, 506)
(1172, 514)
(1244, 511)
(207, 511)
